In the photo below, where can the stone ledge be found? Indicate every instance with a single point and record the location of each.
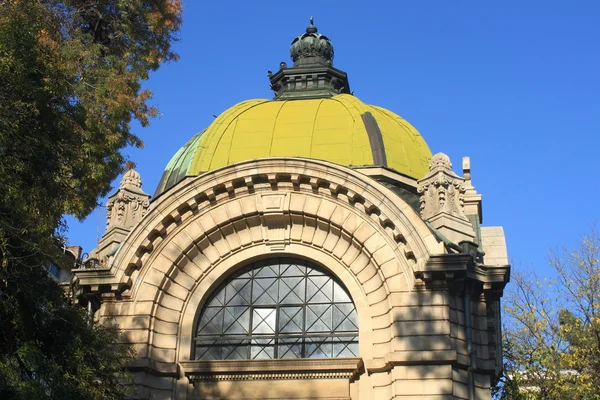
(272, 365)
(456, 268)
(333, 368)
(410, 358)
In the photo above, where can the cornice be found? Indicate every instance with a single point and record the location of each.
(454, 269)
(330, 368)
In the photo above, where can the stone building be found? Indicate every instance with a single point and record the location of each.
(304, 247)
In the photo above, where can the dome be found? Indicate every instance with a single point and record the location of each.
(340, 129)
(314, 115)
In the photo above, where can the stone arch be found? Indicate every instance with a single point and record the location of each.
(182, 268)
(209, 225)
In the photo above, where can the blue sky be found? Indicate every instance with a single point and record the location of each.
(513, 84)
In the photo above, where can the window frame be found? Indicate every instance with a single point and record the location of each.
(323, 343)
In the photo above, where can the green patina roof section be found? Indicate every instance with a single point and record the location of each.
(178, 167)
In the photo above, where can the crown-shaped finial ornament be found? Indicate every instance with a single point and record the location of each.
(131, 178)
(312, 47)
(313, 74)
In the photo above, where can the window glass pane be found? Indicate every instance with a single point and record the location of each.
(238, 292)
(345, 347)
(236, 320)
(292, 290)
(263, 320)
(318, 318)
(319, 289)
(54, 270)
(264, 291)
(218, 300)
(290, 319)
(290, 348)
(234, 350)
(267, 272)
(288, 269)
(340, 295)
(318, 347)
(207, 350)
(344, 317)
(314, 272)
(246, 275)
(262, 348)
(211, 321)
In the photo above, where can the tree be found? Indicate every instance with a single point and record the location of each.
(552, 333)
(71, 75)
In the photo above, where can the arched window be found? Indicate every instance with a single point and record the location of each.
(278, 308)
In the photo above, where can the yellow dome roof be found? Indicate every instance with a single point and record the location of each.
(335, 129)
(314, 115)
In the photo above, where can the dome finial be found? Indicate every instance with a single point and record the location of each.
(131, 178)
(312, 53)
(311, 47)
(311, 27)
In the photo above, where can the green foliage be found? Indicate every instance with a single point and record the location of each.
(552, 329)
(47, 351)
(70, 74)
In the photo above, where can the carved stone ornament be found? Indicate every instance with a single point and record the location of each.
(129, 204)
(131, 179)
(441, 189)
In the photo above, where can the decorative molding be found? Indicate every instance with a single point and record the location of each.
(274, 376)
(276, 369)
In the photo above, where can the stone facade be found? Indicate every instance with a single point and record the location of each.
(426, 297)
